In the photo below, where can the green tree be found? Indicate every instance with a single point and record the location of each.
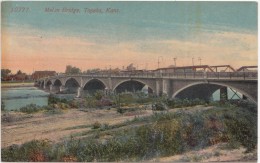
(19, 72)
(95, 70)
(130, 67)
(72, 70)
(5, 72)
(99, 94)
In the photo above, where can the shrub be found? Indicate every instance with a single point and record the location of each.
(54, 100)
(53, 111)
(105, 126)
(98, 95)
(121, 110)
(125, 98)
(90, 102)
(31, 108)
(96, 125)
(159, 107)
(177, 103)
(36, 150)
(164, 134)
(60, 106)
(74, 104)
(244, 132)
(143, 100)
(104, 102)
(2, 106)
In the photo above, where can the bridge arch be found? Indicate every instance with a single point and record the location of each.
(72, 85)
(42, 84)
(93, 85)
(237, 89)
(213, 86)
(48, 83)
(132, 85)
(57, 83)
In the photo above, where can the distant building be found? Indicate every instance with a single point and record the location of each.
(22, 76)
(42, 74)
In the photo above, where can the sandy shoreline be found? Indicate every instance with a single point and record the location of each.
(13, 85)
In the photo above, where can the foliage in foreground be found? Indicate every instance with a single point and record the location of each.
(31, 108)
(164, 134)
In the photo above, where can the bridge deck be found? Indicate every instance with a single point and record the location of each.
(187, 75)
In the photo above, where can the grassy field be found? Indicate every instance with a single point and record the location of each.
(208, 132)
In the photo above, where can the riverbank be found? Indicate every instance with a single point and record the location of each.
(20, 84)
(106, 135)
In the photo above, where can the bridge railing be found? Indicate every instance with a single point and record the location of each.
(198, 75)
(178, 75)
(213, 75)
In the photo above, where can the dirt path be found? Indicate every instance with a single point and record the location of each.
(56, 127)
(215, 153)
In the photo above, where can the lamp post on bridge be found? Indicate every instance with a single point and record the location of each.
(174, 61)
(159, 61)
(199, 60)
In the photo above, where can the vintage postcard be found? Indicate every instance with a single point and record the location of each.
(129, 81)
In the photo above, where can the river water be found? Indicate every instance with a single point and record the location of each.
(15, 98)
(231, 94)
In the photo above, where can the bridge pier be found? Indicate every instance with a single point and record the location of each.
(244, 97)
(44, 86)
(223, 94)
(79, 92)
(166, 86)
(51, 88)
(63, 88)
(107, 91)
(159, 88)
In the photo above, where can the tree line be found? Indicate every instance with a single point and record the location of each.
(75, 70)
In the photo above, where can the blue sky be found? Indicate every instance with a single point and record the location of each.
(142, 31)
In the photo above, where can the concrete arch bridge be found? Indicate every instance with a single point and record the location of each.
(189, 85)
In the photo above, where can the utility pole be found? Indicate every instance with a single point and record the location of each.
(159, 61)
(174, 61)
(192, 61)
(200, 60)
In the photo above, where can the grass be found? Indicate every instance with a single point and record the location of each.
(48, 110)
(31, 108)
(159, 135)
(162, 134)
(78, 127)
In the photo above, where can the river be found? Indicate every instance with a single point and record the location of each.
(231, 94)
(17, 97)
